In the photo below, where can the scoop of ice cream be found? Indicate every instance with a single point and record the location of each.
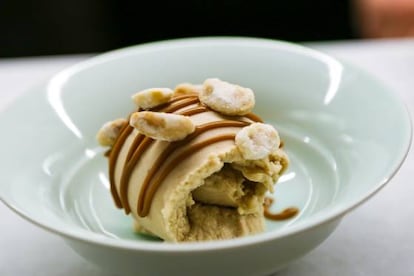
(200, 186)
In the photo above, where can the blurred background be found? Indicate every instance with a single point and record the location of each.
(46, 27)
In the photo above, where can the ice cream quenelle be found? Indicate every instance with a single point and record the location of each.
(194, 163)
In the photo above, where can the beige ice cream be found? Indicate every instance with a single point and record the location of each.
(196, 164)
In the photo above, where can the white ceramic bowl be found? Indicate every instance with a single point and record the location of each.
(346, 135)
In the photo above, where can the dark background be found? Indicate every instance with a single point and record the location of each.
(45, 27)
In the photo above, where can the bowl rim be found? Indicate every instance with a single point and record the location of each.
(327, 216)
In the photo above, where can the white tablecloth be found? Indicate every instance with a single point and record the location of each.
(375, 239)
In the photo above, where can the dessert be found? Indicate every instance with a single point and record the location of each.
(194, 163)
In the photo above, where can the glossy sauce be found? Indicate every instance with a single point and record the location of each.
(152, 182)
(160, 170)
(283, 215)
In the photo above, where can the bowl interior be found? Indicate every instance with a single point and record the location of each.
(345, 133)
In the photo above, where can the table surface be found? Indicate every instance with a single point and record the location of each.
(375, 239)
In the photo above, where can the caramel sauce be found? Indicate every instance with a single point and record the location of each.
(254, 117)
(129, 167)
(283, 215)
(147, 195)
(113, 157)
(177, 103)
(144, 201)
(161, 169)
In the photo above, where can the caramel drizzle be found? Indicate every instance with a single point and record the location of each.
(177, 103)
(113, 157)
(283, 215)
(141, 144)
(254, 117)
(155, 176)
(129, 166)
(150, 185)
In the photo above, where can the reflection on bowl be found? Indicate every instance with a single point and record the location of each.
(341, 149)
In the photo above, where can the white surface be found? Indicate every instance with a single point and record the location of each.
(375, 239)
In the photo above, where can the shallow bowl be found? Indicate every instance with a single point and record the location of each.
(345, 133)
